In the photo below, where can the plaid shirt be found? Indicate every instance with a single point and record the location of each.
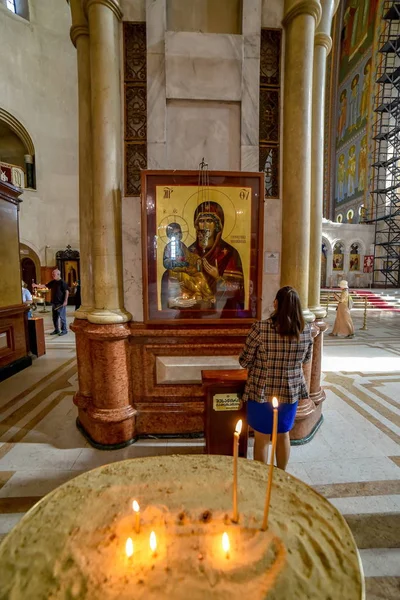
(275, 364)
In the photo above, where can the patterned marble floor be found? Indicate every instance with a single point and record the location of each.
(353, 460)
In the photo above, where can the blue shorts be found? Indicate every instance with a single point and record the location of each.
(260, 415)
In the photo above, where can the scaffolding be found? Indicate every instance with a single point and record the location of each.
(386, 162)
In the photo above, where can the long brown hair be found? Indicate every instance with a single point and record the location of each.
(288, 315)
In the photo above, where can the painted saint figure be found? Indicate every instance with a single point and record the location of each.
(351, 171)
(341, 177)
(342, 114)
(362, 165)
(354, 98)
(365, 91)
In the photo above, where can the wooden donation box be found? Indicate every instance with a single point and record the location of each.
(224, 407)
(36, 336)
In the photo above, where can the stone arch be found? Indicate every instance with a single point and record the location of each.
(18, 152)
(26, 251)
(360, 243)
(19, 130)
(326, 259)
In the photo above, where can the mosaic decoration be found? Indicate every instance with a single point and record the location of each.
(270, 58)
(352, 122)
(135, 118)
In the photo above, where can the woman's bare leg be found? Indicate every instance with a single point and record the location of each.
(261, 443)
(282, 450)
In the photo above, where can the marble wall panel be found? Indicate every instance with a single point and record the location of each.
(197, 128)
(203, 66)
(251, 24)
(249, 156)
(187, 369)
(132, 257)
(156, 101)
(250, 102)
(272, 13)
(272, 243)
(133, 10)
(156, 25)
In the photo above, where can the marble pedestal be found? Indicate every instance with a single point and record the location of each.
(309, 413)
(138, 380)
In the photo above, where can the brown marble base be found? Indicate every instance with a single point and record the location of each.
(104, 402)
(309, 412)
(121, 396)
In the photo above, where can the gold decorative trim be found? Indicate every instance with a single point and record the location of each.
(18, 129)
(323, 39)
(304, 7)
(76, 31)
(111, 4)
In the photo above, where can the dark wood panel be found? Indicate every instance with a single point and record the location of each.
(13, 323)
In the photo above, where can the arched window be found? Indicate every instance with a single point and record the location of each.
(354, 257)
(350, 216)
(339, 218)
(18, 7)
(338, 256)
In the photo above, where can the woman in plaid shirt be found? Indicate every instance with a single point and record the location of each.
(274, 354)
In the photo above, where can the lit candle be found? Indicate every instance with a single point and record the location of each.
(271, 464)
(153, 543)
(129, 547)
(236, 436)
(225, 544)
(136, 510)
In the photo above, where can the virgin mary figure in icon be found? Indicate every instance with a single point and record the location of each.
(210, 273)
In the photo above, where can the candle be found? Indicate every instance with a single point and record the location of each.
(129, 547)
(225, 544)
(236, 436)
(271, 464)
(136, 510)
(153, 543)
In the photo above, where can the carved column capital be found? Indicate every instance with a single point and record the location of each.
(76, 31)
(113, 5)
(301, 7)
(323, 39)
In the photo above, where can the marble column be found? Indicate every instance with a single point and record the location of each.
(104, 27)
(30, 171)
(108, 420)
(301, 18)
(308, 415)
(80, 38)
(322, 47)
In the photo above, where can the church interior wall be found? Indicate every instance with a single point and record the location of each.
(201, 115)
(348, 234)
(41, 47)
(354, 120)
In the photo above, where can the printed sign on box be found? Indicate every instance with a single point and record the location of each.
(225, 402)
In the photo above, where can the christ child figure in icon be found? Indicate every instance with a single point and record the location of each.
(184, 267)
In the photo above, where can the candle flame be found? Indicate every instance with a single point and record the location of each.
(275, 402)
(238, 428)
(129, 547)
(153, 542)
(135, 506)
(225, 543)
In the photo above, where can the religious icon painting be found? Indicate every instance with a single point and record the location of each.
(202, 245)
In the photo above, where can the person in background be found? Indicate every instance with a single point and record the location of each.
(59, 300)
(343, 323)
(274, 354)
(77, 294)
(26, 297)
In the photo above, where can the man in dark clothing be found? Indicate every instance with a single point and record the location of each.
(59, 300)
